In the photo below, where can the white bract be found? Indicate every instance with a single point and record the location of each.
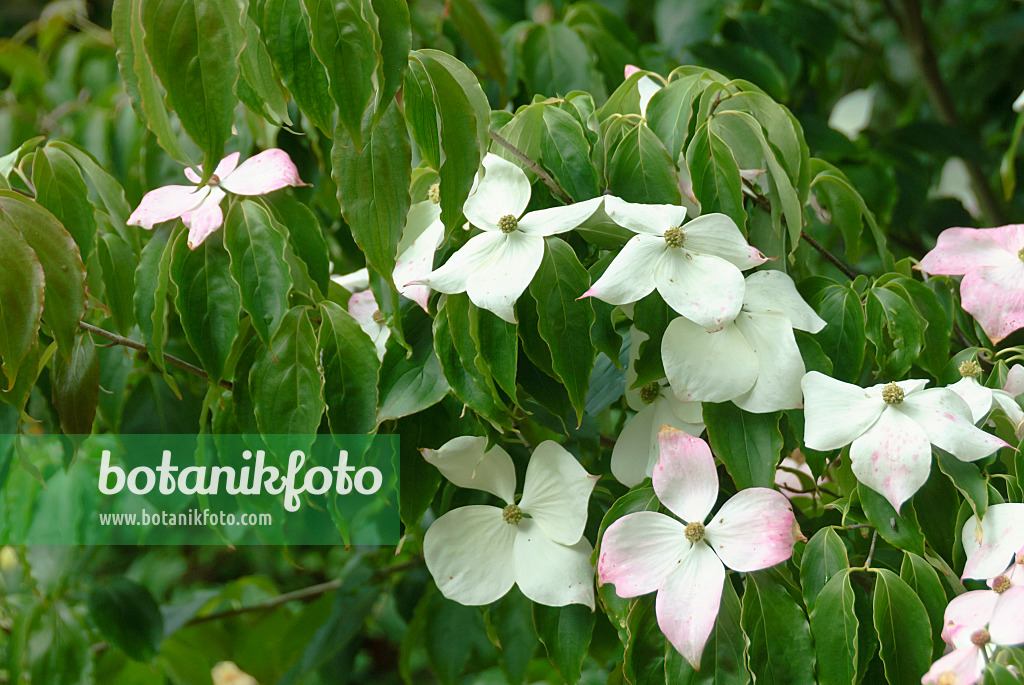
(362, 306)
(753, 361)
(694, 266)
(496, 266)
(982, 400)
(636, 450)
(477, 553)
(421, 237)
(993, 544)
(891, 427)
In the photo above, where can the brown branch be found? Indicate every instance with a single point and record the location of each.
(135, 345)
(534, 167)
(910, 21)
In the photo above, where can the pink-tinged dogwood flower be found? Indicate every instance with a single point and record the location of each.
(496, 266)
(422, 235)
(891, 427)
(199, 207)
(695, 266)
(684, 562)
(974, 624)
(636, 449)
(992, 545)
(1015, 380)
(362, 306)
(754, 360)
(478, 552)
(983, 400)
(991, 260)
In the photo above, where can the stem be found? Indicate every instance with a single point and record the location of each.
(912, 27)
(534, 167)
(135, 345)
(871, 551)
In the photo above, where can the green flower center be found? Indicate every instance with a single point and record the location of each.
(434, 194)
(695, 531)
(378, 317)
(1000, 584)
(892, 394)
(650, 392)
(508, 223)
(981, 637)
(1020, 254)
(512, 514)
(969, 369)
(675, 237)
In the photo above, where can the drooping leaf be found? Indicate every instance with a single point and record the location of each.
(564, 320)
(151, 279)
(127, 616)
(208, 302)
(715, 175)
(903, 628)
(350, 368)
(925, 583)
(824, 556)
(780, 638)
(565, 633)
(76, 387)
(192, 47)
(21, 301)
(565, 152)
(835, 626)
(373, 186)
(640, 169)
(62, 190)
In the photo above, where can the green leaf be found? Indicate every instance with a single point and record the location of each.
(511, 621)
(305, 236)
(109, 191)
(723, 660)
(564, 321)
(344, 41)
(140, 82)
(151, 282)
(290, 43)
(835, 626)
(117, 261)
(257, 72)
(128, 617)
(750, 445)
(967, 479)
(904, 632)
(565, 633)
(465, 380)
(843, 339)
(894, 329)
(76, 387)
(258, 265)
(670, 110)
(899, 530)
(937, 324)
(641, 170)
(924, 581)
(395, 33)
(21, 301)
(715, 175)
(191, 46)
(452, 110)
(780, 638)
(565, 152)
(651, 316)
(454, 634)
(286, 386)
(825, 173)
(373, 186)
(477, 32)
(62, 190)
(824, 556)
(409, 385)
(62, 265)
(350, 368)
(644, 657)
(208, 302)
(418, 479)
(498, 347)
(555, 61)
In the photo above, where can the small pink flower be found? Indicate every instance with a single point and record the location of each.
(991, 260)
(685, 562)
(199, 207)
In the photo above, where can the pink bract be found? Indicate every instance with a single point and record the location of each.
(991, 262)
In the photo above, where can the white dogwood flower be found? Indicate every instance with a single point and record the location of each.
(753, 361)
(478, 552)
(891, 427)
(982, 400)
(496, 266)
(636, 449)
(695, 266)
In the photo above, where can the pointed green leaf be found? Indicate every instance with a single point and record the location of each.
(715, 175)
(925, 583)
(835, 626)
(350, 368)
(151, 279)
(62, 190)
(21, 302)
(904, 631)
(565, 633)
(750, 445)
(76, 387)
(824, 556)
(780, 638)
(640, 169)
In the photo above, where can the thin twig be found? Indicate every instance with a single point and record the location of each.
(915, 33)
(835, 261)
(871, 551)
(135, 345)
(534, 167)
